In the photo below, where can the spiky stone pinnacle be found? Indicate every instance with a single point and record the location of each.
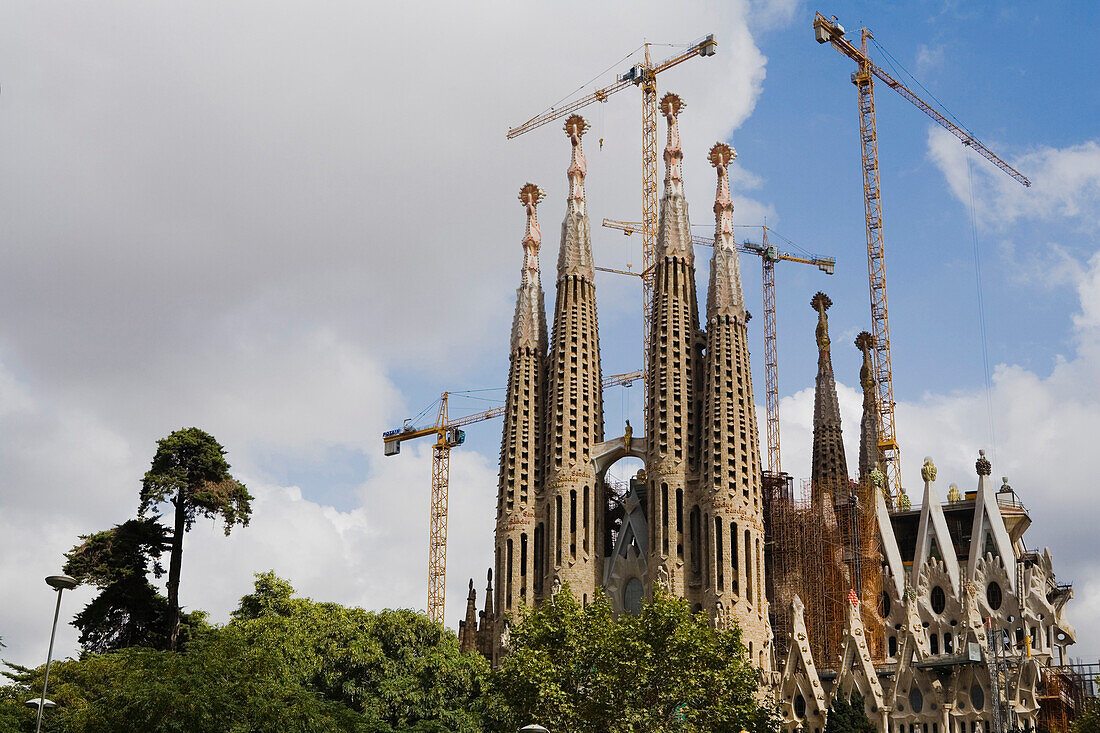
(821, 302)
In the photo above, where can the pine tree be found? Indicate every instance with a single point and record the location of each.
(847, 715)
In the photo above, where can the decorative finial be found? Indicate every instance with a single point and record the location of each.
(865, 342)
(982, 464)
(721, 155)
(928, 470)
(904, 502)
(530, 196)
(954, 496)
(878, 478)
(852, 597)
(1005, 488)
(821, 303)
(671, 105)
(575, 127)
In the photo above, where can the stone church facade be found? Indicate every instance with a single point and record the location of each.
(693, 521)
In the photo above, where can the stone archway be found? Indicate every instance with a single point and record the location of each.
(626, 561)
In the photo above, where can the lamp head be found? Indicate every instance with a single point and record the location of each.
(61, 582)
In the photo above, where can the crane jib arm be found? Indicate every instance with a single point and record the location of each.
(705, 46)
(833, 33)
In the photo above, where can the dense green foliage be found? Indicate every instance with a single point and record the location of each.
(847, 715)
(189, 470)
(580, 669)
(129, 611)
(1089, 719)
(282, 664)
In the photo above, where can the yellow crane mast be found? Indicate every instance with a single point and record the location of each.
(831, 32)
(643, 76)
(448, 434)
(769, 255)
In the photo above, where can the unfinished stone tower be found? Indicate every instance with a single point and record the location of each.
(940, 616)
(690, 523)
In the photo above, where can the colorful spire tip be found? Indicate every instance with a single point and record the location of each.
(721, 155)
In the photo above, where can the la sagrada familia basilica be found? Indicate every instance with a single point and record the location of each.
(939, 616)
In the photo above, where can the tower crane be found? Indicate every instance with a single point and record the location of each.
(769, 254)
(831, 32)
(643, 76)
(449, 434)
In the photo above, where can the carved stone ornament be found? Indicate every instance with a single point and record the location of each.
(928, 470)
(982, 465)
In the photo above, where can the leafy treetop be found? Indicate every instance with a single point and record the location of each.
(190, 470)
(580, 669)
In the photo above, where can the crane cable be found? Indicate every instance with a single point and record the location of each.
(981, 307)
(982, 331)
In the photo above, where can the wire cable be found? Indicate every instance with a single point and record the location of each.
(981, 309)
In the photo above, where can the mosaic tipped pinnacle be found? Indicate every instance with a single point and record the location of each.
(575, 125)
(721, 155)
(531, 195)
(671, 104)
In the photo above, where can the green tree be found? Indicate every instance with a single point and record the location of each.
(189, 470)
(1088, 720)
(398, 669)
(220, 682)
(847, 715)
(283, 664)
(128, 611)
(580, 669)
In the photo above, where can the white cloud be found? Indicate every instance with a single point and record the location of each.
(1065, 184)
(256, 219)
(929, 59)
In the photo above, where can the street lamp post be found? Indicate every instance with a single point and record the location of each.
(533, 728)
(60, 583)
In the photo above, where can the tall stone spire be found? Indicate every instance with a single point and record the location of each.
(733, 519)
(520, 467)
(529, 323)
(675, 374)
(724, 296)
(673, 227)
(870, 456)
(829, 471)
(575, 255)
(569, 530)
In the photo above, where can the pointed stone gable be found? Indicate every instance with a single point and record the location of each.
(857, 672)
(989, 526)
(933, 539)
(800, 667)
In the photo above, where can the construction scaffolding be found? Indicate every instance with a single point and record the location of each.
(800, 547)
(1064, 693)
(816, 549)
(855, 514)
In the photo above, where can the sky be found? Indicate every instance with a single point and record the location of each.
(295, 226)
